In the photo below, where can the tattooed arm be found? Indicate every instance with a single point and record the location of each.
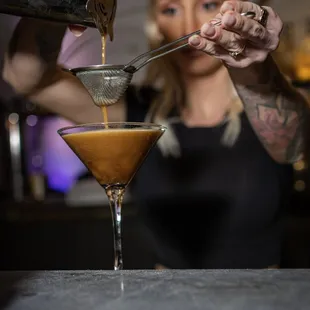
(276, 111)
(279, 114)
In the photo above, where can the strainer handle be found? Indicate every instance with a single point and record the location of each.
(157, 50)
(149, 55)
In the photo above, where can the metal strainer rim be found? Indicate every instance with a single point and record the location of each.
(96, 68)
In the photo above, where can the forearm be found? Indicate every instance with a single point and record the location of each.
(31, 59)
(278, 113)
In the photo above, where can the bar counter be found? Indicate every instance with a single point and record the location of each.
(169, 289)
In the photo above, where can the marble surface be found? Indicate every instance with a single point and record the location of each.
(94, 290)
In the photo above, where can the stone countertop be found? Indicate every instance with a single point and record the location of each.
(170, 289)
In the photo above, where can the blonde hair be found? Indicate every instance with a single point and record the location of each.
(163, 74)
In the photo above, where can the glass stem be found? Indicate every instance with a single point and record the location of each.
(115, 195)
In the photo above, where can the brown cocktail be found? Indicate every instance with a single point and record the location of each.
(113, 153)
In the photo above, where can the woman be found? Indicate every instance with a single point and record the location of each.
(213, 193)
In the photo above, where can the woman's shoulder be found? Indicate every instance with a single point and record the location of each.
(138, 100)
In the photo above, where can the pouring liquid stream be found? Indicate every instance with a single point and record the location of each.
(104, 109)
(103, 13)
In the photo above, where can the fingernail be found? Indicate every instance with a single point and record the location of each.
(208, 30)
(194, 40)
(229, 19)
(76, 33)
(76, 30)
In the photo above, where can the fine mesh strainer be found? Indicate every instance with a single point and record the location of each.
(107, 83)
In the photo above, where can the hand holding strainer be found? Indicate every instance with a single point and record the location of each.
(107, 83)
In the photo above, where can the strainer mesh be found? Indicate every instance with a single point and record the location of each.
(106, 86)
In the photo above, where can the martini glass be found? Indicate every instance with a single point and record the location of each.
(113, 152)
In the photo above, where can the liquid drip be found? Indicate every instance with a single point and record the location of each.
(104, 112)
(103, 41)
(101, 10)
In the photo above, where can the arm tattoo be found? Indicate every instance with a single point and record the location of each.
(277, 112)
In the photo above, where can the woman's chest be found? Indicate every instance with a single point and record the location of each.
(206, 167)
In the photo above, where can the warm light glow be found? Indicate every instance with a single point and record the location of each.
(300, 165)
(300, 186)
(13, 118)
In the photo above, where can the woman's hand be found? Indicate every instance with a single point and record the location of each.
(240, 41)
(279, 115)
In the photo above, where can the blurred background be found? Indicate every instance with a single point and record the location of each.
(52, 216)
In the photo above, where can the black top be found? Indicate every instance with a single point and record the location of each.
(215, 206)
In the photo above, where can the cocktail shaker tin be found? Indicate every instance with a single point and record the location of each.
(66, 11)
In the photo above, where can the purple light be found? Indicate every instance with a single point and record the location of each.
(61, 166)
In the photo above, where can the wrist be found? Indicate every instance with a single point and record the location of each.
(258, 74)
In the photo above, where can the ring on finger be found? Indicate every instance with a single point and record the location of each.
(263, 16)
(235, 54)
